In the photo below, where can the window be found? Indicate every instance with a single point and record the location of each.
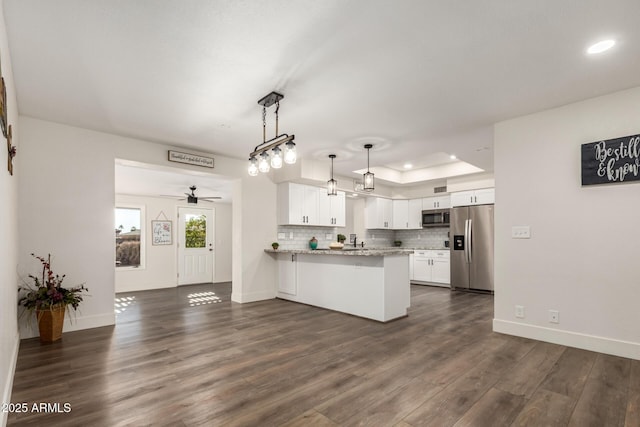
(129, 234)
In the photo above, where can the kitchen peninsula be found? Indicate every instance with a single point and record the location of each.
(370, 283)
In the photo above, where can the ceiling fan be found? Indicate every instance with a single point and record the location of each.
(193, 199)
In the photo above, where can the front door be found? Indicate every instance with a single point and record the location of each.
(195, 245)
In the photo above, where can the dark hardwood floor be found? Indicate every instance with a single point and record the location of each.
(190, 357)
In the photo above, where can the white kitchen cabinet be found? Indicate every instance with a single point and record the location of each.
(485, 196)
(331, 209)
(432, 266)
(297, 204)
(415, 214)
(300, 204)
(438, 202)
(400, 214)
(378, 213)
(440, 267)
(407, 214)
(287, 273)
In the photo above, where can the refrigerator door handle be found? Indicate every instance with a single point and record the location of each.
(466, 241)
(469, 239)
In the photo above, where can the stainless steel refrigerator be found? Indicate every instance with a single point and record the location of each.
(472, 250)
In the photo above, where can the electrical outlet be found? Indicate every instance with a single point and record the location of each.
(554, 316)
(291, 235)
(520, 311)
(520, 232)
(281, 236)
(328, 236)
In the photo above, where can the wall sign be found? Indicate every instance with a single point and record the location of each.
(190, 159)
(611, 161)
(161, 232)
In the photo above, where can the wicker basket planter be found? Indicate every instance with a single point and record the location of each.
(50, 323)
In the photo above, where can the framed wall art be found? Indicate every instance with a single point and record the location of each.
(162, 232)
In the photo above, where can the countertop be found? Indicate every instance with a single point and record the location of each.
(360, 252)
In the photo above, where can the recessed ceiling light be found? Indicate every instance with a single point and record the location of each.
(354, 194)
(601, 46)
(408, 165)
(453, 157)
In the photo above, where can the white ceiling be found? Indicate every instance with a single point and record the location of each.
(414, 77)
(133, 178)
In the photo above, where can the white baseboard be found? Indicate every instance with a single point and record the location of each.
(252, 297)
(79, 322)
(570, 339)
(6, 393)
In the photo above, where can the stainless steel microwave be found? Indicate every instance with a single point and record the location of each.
(435, 218)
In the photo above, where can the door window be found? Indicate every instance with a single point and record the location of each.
(195, 231)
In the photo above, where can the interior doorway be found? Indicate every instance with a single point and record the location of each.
(196, 250)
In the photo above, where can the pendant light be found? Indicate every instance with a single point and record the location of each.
(263, 163)
(368, 177)
(253, 166)
(332, 184)
(269, 154)
(276, 158)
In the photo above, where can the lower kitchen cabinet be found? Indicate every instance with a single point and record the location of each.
(287, 273)
(431, 266)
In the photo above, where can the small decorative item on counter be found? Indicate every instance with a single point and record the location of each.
(341, 238)
(275, 246)
(397, 243)
(336, 245)
(313, 243)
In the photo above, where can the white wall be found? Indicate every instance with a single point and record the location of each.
(8, 232)
(68, 210)
(583, 253)
(224, 239)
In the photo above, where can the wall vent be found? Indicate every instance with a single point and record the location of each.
(442, 189)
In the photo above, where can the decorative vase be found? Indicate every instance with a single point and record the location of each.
(313, 243)
(50, 322)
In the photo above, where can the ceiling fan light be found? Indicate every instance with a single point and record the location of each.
(253, 166)
(290, 155)
(263, 163)
(276, 158)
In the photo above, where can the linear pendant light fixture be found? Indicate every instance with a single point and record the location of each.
(259, 159)
(332, 184)
(368, 176)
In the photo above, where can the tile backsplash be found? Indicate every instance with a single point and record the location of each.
(425, 238)
(297, 237)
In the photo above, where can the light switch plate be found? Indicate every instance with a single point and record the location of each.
(328, 236)
(281, 236)
(521, 232)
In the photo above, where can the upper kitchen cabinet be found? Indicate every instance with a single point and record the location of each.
(331, 209)
(485, 196)
(400, 214)
(298, 204)
(378, 213)
(407, 214)
(439, 202)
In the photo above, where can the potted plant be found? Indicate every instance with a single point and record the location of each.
(341, 238)
(275, 246)
(49, 300)
(397, 243)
